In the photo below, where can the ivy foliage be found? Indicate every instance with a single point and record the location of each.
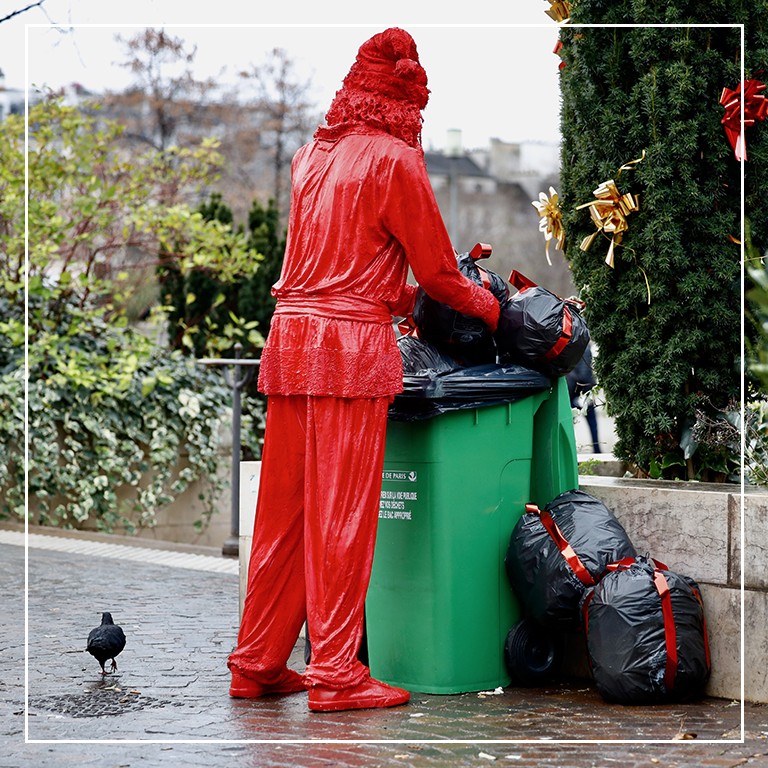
(667, 317)
(117, 428)
(117, 425)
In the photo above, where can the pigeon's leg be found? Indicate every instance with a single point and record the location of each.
(113, 668)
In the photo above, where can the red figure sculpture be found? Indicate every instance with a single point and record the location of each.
(362, 211)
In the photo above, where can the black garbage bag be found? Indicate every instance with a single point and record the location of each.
(462, 336)
(420, 356)
(435, 383)
(557, 553)
(646, 634)
(541, 330)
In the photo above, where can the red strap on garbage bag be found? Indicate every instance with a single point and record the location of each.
(521, 282)
(566, 550)
(622, 565)
(670, 633)
(485, 278)
(480, 251)
(565, 335)
(407, 326)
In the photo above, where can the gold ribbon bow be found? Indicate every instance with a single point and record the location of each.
(560, 10)
(551, 220)
(609, 212)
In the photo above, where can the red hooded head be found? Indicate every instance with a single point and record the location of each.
(386, 88)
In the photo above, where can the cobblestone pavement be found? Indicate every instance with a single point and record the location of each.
(169, 698)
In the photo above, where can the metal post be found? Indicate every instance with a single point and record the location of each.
(236, 383)
(232, 544)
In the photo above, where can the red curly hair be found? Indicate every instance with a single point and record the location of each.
(386, 88)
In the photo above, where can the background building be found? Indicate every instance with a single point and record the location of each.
(485, 195)
(11, 99)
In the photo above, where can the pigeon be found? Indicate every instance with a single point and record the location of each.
(105, 642)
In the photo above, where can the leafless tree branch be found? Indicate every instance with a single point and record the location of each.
(38, 4)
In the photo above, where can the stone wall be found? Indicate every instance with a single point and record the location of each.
(176, 521)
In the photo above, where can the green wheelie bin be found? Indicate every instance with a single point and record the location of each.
(439, 604)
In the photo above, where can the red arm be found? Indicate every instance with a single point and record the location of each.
(411, 214)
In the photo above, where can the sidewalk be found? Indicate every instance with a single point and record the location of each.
(169, 700)
(606, 431)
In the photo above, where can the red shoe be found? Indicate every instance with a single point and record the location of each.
(244, 688)
(367, 695)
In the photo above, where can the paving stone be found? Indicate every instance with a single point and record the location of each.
(170, 693)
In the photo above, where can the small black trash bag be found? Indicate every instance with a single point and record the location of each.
(462, 336)
(419, 356)
(646, 634)
(540, 330)
(557, 553)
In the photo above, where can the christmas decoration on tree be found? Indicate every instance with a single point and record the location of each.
(609, 212)
(556, 50)
(560, 10)
(551, 221)
(755, 108)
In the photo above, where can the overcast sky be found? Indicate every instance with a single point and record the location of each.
(491, 75)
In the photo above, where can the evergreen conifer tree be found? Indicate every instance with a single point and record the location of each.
(256, 301)
(206, 305)
(667, 317)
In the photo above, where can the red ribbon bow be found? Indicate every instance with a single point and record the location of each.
(755, 108)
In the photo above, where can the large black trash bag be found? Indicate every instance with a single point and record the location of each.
(540, 330)
(557, 553)
(462, 336)
(646, 634)
(435, 383)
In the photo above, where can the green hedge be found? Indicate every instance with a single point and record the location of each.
(667, 317)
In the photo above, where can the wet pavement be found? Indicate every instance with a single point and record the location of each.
(169, 698)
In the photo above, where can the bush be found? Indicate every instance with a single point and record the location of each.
(108, 408)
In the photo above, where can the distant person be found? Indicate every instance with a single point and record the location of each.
(581, 381)
(362, 212)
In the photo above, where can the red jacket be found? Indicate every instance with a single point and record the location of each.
(362, 211)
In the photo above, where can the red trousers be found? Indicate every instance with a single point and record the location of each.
(314, 536)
